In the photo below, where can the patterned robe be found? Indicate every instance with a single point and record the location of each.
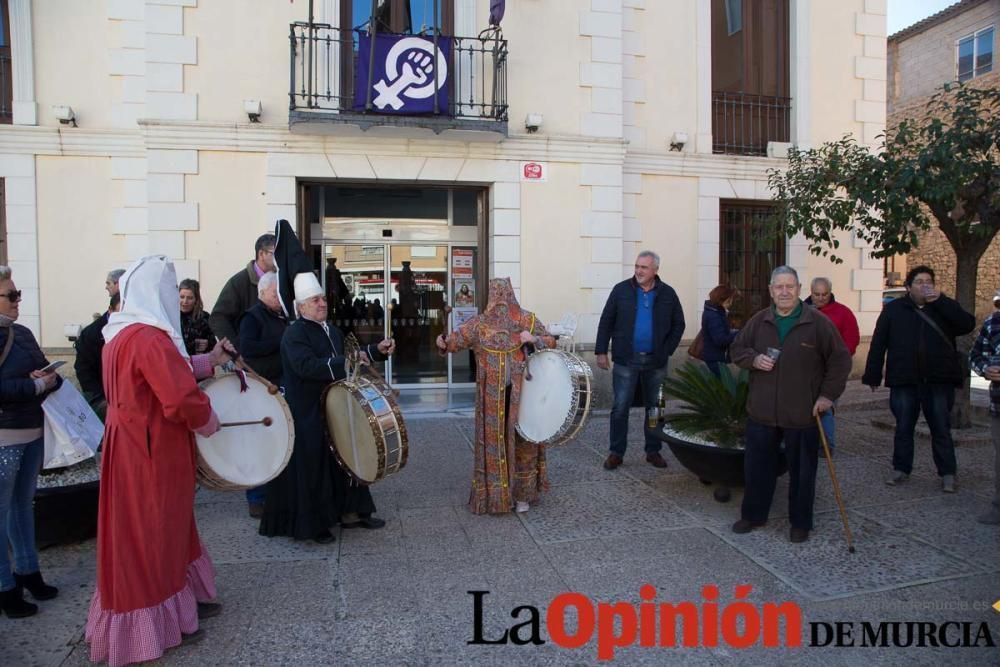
(507, 468)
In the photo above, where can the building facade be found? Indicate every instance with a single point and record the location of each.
(956, 44)
(584, 132)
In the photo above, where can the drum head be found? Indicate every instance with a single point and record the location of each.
(350, 431)
(246, 455)
(546, 399)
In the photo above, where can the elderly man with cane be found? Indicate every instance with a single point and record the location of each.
(798, 367)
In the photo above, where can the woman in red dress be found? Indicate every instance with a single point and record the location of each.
(154, 577)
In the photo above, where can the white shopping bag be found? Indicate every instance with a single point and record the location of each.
(72, 430)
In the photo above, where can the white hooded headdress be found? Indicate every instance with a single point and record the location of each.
(149, 296)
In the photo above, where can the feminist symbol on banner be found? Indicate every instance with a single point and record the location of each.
(414, 78)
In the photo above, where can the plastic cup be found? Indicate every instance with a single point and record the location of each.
(774, 353)
(652, 417)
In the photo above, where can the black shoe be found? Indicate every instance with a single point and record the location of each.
(193, 638)
(36, 586)
(369, 522)
(797, 535)
(612, 462)
(12, 603)
(256, 510)
(744, 526)
(208, 610)
(656, 460)
(325, 537)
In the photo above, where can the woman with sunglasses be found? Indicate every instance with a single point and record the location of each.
(23, 387)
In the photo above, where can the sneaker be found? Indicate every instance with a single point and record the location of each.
(948, 483)
(656, 460)
(797, 535)
(745, 526)
(522, 506)
(897, 477)
(612, 462)
(991, 518)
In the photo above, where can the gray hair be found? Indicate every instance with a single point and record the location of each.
(113, 276)
(652, 255)
(268, 280)
(820, 279)
(784, 270)
(4, 272)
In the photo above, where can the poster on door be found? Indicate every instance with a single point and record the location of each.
(461, 263)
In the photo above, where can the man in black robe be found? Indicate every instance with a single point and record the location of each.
(313, 493)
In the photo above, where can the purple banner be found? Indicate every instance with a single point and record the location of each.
(405, 74)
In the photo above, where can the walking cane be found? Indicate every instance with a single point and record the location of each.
(836, 485)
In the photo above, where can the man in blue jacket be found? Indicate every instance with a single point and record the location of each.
(644, 321)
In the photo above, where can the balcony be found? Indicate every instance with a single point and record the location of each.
(470, 104)
(743, 123)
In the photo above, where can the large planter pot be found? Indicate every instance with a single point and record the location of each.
(712, 464)
(66, 506)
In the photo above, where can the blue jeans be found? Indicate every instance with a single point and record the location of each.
(760, 471)
(829, 427)
(624, 378)
(255, 496)
(19, 467)
(936, 401)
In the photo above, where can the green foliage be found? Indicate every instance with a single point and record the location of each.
(714, 407)
(947, 162)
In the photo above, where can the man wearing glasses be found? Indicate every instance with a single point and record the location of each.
(239, 293)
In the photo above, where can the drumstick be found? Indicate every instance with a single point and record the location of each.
(388, 309)
(266, 421)
(242, 365)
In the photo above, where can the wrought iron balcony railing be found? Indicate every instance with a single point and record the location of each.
(743, 124)
(325, 61)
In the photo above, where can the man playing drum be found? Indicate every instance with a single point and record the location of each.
(313, 492)
(509, 471)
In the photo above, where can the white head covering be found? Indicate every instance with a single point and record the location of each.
(149, 296)
(306, 286)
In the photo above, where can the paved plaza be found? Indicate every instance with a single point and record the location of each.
(399, 596)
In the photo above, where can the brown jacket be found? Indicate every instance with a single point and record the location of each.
(814, 362)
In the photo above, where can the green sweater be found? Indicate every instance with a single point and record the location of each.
(786, 322)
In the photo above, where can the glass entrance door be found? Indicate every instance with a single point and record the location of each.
(411, 305)
(418, 295)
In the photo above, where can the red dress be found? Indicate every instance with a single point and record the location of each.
(151, 566)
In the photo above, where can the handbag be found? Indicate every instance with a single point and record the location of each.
(73, 431)
(697, 348)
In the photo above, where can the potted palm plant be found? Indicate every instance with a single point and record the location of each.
(707, 434)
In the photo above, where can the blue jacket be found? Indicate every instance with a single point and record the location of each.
(617, 322)
(716, 333)
(20, 407)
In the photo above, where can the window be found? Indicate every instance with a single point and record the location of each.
(6, 81)
(975, 54)
(734, 16)
(747, 257)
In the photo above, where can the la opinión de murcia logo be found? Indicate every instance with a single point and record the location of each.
(572, 620)
(417, 77)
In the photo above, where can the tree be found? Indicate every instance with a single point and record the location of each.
(945, 165)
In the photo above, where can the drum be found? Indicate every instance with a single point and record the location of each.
(365, 428)
(555, 402)
(243, 457)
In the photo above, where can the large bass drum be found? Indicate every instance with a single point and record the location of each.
(244, 457)
(555, 402)
(365, 429)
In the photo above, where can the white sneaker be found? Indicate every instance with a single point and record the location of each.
(948, 483)
(897, 477)
(522, 506)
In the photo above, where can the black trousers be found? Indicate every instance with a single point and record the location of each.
(760, 470)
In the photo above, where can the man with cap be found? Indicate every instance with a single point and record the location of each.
(312, 493)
